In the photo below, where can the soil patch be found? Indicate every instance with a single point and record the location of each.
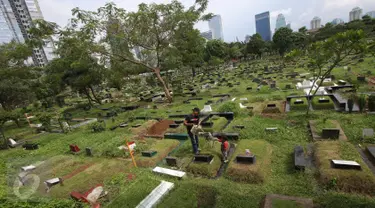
(142, 130)
(159, 128)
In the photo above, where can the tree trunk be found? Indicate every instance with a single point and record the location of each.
(93, 94)
(309, 101)
(166, 90)
(88, 96)
(193, 71)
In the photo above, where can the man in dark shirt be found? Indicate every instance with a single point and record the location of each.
(189, 122)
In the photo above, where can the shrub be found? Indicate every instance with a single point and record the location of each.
(371, 103)
(98, 126)
(230, 107)
(45, 119)
(362, 102)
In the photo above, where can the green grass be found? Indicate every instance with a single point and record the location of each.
(280, 203)
(321, 124)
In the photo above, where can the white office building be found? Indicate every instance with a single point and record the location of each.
(216, 27)
(315, 23)
(371, 14)
(355, 14)
(280, 22)
(16, 18)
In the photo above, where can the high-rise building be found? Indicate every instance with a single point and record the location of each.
(371, 14)
(315, 23)
(289, 25)
(263, 25)
(216, 27)
(207, 35)
(16, 18)
(280, 22)
(337, 21)
(355, 14)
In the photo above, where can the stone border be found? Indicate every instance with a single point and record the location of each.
(305, 202)
(315, 135)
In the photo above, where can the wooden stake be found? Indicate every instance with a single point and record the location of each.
(131, 153)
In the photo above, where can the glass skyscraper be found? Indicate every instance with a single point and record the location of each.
(263, 25)
(216, 27)
(16, 18)
(280, 22)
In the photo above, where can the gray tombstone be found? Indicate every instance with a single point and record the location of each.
(89, 151)
(367, 133)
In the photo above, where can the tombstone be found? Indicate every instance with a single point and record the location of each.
(239, 126)
(345, 164)
(28, 168)
(288, 87)
(74, 148)
(30, 146)
(207, 109)
(361, 78)
(330, 133)
(51, 182)
(123, 125)
(89, 151)
(174, 126)
(203, 158)
(271, 129)
(298, 102)
(245, 159)
(323, 100)
(243, 99)
(150, 153)
(12, 143)
(299, 158)
(259, 87)
(367, 133)
(249, 88)
(271, 105)
(171, 161)
(342, 82)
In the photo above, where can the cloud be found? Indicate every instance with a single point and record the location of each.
(285, 12)
(334, 4)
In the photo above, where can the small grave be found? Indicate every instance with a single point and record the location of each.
(271, 129)
(302, 159)
(171, 161)
(271, 105)
(150, 153)
(323, 100)
(136, 125)
(345, 164)
(239, 126)
(278, 201)
(74, 149)
(330, 133)
(176, 136)
(89, 151)
(245, 159)
(156, 195)
(203, 158)
(298, 102)
(174, 126)
(367, 133)
(28, 168)
(52, 182)
(30, 146)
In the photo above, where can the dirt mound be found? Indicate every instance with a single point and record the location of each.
(159, 128)
(142, 130)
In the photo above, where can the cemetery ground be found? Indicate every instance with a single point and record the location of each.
(239, 185)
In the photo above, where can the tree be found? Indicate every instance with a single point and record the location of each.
(215, 48)
(152, 28)
(303, 30)
(256, 45)
(326, 55)
(283, 40)
(16, 78)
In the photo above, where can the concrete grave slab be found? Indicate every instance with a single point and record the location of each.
(166, 171)
(156, 195)
(345, 164)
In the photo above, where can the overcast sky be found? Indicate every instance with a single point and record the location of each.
(237, 15)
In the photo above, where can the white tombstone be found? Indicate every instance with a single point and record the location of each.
(243, 99)
(166, 171)
(367, 133)
(156, 195)
(242, 106)
(207, 109)
(234, 99)
(28, 168)
(12, 143)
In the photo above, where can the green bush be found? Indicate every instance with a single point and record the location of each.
(45, 119)
(362, 102)
(230, 107)
(98, 126)
(371, 103)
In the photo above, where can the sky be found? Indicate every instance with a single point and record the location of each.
(237, 15)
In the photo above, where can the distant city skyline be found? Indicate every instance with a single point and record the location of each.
(236, 21)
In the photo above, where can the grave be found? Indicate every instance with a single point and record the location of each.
(150, 153)
(342, 82)
(323, 100)
(203, 158)
(12, 143)
(166, 171)
(243, 99)
(74, 148)
(229, 136)
(179, 121)
(28, 168)
(299, 158)
(156, 195)
(361, 78)
(245, 159)
(345, 164)
(367, 133)
(89, 151)
(330, 133)
(136, 125)
(271, 105)
(271, 129)
(249, 88)
(51, 182)
(171, 161)
(239, 127)
(297, 102)
(30, 146)
(289, 201)
(206, 109)
(174, 126)
(123, 125)
(288, 86)
(272, 85)
(176, 136)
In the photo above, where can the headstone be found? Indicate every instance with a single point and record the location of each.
(174, 126)
(345, 164)
(30, 146)
(245, 159)
(330, 133)
(271, 105)
(271, 129)
(12, 143)
(297, 102)
(51, 182)
(239, 126)
(323, 100)
(361, 78)
(288, 86)
(171, 161)
(166, 171)
(272, 85)
(150, 153)
(249, 88)
(203, 158)
(367, 133)
(342, 82)
(153, 199)
(28, 168)
(89, 151)
(299, 158)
